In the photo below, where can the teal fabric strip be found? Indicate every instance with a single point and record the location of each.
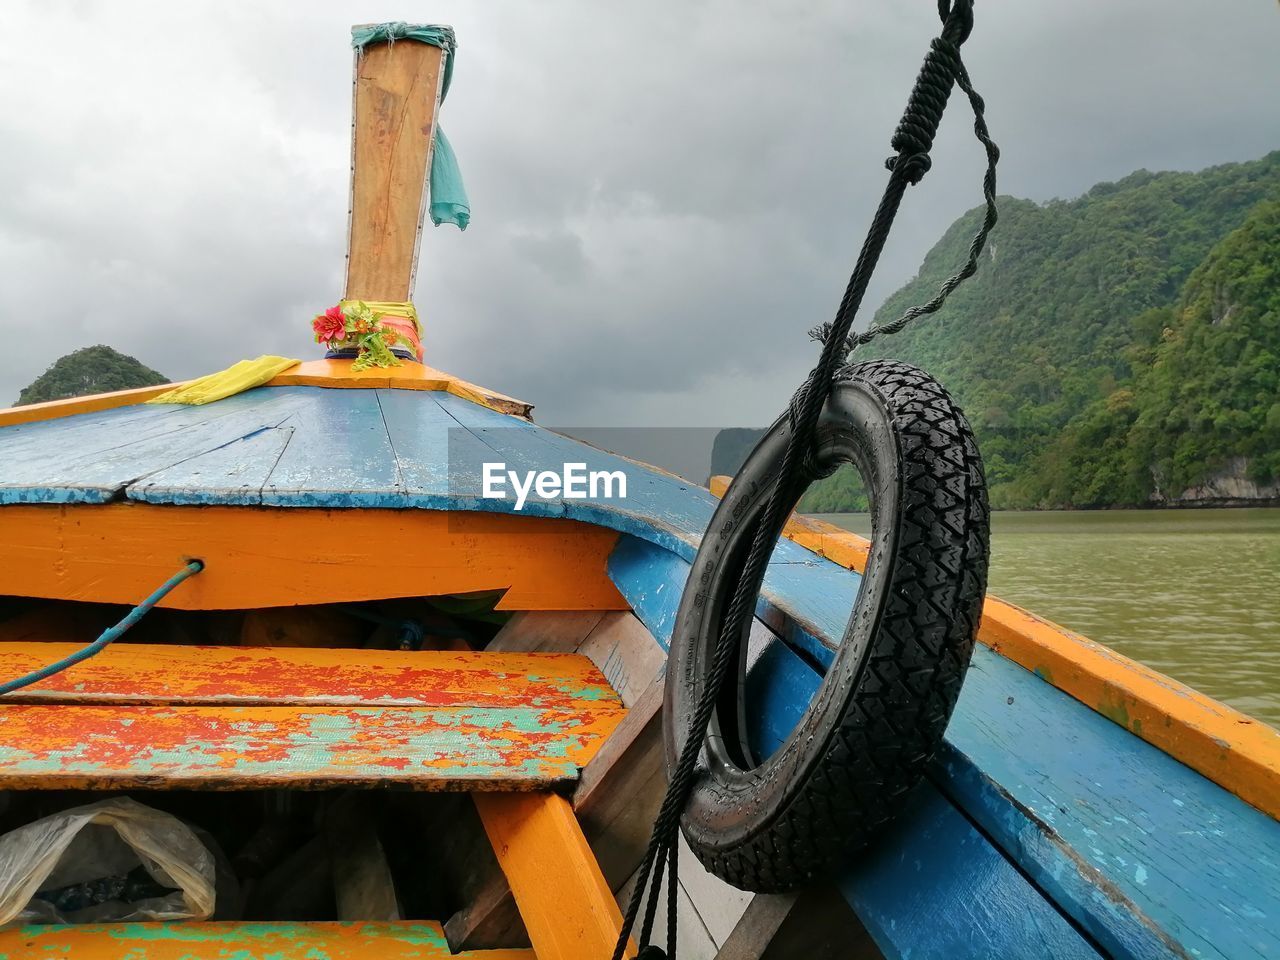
(449, 203)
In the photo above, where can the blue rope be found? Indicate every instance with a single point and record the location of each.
(136, 614)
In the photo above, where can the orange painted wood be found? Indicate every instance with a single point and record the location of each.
(263, 557)
(143, 673)
(91, 747)
(339, 374)
(566, 905)
(1226, 746)
(311, 373)
(239, 941)
(397, 93)
(93, 403)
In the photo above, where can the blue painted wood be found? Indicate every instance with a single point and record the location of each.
(1142, 850)
(234, 473)
(1143, 853)
(68, 461)
(933, 886)
(339, 456)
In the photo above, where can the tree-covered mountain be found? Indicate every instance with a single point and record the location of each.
(1122, 348)
(89, 370)
(1199, 416)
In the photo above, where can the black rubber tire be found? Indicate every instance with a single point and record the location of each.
(884, 703)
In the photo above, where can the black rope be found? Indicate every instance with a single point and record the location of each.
(911, 142)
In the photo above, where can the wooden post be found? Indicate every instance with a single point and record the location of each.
(564, 900)
(393, 125)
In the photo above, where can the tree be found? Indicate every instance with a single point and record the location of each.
(96, 369)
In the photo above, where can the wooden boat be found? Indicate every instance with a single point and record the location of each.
(1081, 805)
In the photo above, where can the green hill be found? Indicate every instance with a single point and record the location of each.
(1122, 348)
(89, 370)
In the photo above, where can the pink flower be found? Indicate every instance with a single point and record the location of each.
(330, 325)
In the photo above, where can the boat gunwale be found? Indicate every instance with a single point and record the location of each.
(1223, 744)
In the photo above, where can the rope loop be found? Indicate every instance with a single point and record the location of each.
(920, 120)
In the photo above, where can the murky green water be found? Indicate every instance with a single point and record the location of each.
(1193, 593)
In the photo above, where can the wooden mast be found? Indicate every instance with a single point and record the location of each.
(394, 106)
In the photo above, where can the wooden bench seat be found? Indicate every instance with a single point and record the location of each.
(242, 941)
(250, 718)
(278, 676)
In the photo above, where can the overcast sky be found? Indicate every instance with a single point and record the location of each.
(665, 196)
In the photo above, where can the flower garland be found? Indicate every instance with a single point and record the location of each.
(355, 325)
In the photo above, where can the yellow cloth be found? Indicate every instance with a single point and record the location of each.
(237, 378)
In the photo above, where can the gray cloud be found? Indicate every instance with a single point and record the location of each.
(665, 197)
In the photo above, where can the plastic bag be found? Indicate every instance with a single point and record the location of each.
(114, 860)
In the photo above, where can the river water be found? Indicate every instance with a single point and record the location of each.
(1193, 593)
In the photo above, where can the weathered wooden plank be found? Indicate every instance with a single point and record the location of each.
(238, 941)
(626, 653)
(718, 904)
(564, 900)
(139, 673)
(225, 748)
(427, 441)
(397, 91)
(339, 455)
(759, 925)
(234, 472)
(378, 448)
(91, 458)
(118, 553)
(549, 631)
(1145, 854)
(933, 886)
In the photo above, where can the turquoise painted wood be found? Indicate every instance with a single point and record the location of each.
(1143, 853)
